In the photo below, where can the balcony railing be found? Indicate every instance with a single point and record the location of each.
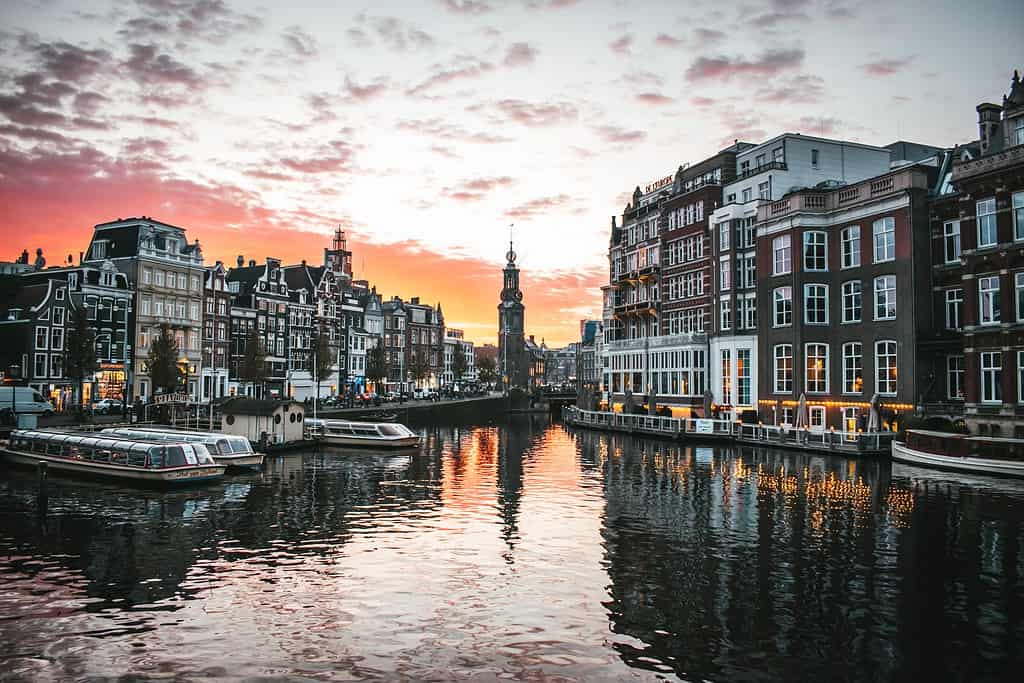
(814, 201)
(988, 164)
(770, 166)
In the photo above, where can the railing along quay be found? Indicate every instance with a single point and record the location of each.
(830, 441)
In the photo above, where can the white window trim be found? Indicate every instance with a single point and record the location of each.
(807, 287)
(982, 369)
(878, 389)
(876, 291)
(828, 359)
(842, 304)
(842, 247)
(844, 357)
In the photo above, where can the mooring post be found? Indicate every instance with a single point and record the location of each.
(42, 500)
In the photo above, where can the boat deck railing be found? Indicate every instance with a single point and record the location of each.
(830, 440)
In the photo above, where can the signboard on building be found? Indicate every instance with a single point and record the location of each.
(705, 426)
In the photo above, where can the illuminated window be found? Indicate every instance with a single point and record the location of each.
(853, 368)
(816, 368)
(885, 367)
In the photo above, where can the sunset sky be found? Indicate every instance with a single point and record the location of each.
(426, 128)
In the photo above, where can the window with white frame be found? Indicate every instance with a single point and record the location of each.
(955, 377)
(56, 365)
(783, 368)
(727, 375)
(814, 251)
(748, 194)
(851, 246)
(1018, 212)
(988, 300)
(159, 278)
(40, 365)
(885, 297)
(954, 308)
(885, 367)
(57, 339)
(746, 314)
(783, 305)
(851, 301)
(58, 316)
(991, 376)
(1018, 290)
(816, 368)
(816, 304)
(764, 190)
(724, 232)
(1020, 377)
(884, 231)
(986, 216)
(746, 271)
(42, 338)
(1018, 131)
(853, 368)
(782, 255)
(147, 276)
(743, 377)
(724, 275)
(725, 320)
(951, 241)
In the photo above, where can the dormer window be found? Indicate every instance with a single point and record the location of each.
(99, 249)
(107, 279)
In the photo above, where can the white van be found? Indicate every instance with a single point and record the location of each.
(27, 400)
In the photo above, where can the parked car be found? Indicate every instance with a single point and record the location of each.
(107, 406)
(24, 400)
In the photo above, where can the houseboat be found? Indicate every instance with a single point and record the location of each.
(980, 454)
(230, 451)
(132, 461)
(373, 434)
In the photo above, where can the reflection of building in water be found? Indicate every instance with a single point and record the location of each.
(717, 559)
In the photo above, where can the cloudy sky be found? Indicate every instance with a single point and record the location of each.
(426, 128)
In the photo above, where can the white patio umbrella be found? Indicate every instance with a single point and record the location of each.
(874, 418)
(801, 412)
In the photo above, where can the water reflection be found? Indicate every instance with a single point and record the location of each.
(521, 550)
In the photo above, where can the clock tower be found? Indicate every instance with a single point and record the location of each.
(513, 371)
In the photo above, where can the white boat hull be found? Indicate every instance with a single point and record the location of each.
(250, 460)
(980, 465)
(168, 476)
(370, 442)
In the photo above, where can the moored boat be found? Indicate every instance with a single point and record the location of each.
(226, 449)
(981, 454)
(135, 461)
(373, 434)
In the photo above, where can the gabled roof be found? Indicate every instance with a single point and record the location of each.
(122, 241)
(246, 274)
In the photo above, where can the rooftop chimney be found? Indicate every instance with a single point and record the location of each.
(988, 121)
(414, 300)
(252, 263)
(240, 261)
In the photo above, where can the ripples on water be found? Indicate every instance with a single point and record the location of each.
(523, 551)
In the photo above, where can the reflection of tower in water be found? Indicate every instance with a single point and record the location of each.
(514, 441)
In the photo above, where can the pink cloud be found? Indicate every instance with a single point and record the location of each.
(770, 63)
(886, 67)
(520, 54)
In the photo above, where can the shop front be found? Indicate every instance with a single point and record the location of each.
(111, 382)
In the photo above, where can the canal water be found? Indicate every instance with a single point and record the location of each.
(523, 551)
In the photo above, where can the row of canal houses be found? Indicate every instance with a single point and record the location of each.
(831, 270)
(140, 273)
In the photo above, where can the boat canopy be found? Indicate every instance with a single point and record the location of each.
(111, 449)
(217, 444)
(385, 430)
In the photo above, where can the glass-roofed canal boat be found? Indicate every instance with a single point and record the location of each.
(131, 461)
(226, 449)
(371, 434)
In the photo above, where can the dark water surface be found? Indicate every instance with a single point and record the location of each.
(526, 552)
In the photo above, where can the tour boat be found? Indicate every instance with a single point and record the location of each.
(133, 461)
(347, 433)
(226, 449)
(981, 454)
